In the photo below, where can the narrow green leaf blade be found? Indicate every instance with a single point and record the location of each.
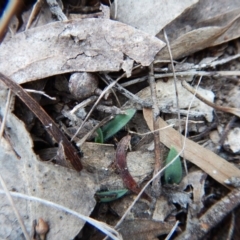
(173, 174)
(99, 138)
(109, 196)
(116, 124)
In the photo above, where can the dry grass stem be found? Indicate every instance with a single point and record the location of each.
(150, 132)
(5, 191)
(235, 111)
(39, 92)
(199, 73)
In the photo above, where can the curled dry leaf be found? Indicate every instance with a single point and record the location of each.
(195, 40)
(215, 166)
(219, 29)
(121, 163)
(88, 45)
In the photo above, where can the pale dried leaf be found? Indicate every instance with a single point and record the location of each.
(150, 16)
(144, 229)
(162, 209)
(30, 176)
(203, 26)
(215, 166)
(167, 98)
(79, 45)
(196, 179)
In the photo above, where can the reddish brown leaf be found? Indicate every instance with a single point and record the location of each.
(121, 163)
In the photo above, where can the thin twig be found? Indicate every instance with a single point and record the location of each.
(199, 73)
(150, 132)
(134, 81)
(113, 92)
(5, 113)
(39, 92)
(109, 231)
(175, 80)
(5, 190)
(83, 104)
(235, 111)
(83, 139)
(198, 229)
(127, 94)
(157, 145)
(172, 231)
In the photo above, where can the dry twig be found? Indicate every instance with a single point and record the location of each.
(157, 146)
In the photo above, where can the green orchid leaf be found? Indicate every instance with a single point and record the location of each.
(99, 138)
(117, 123)
(173, 174)
(109, 196)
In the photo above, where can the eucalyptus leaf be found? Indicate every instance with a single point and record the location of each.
(109, 196)
(173, 174)
(117, 123)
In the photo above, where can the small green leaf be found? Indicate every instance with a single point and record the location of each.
(99, 138)
(173, 174)
(109, 196)
(117, 123)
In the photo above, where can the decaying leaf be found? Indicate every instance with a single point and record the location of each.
(78, 45)
(162, 209)
(196, 179)
(151, 16)
(30, 176)
(232, 141)
(215, 166)
(144, 229)
(206, 24)
(166, 98)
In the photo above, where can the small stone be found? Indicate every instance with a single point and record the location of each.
(83, 85)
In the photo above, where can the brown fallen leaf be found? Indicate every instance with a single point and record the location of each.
(121, 164)
(89, 45)
(195, 40)
(140, 229)
(215, 166)
(70, 152)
